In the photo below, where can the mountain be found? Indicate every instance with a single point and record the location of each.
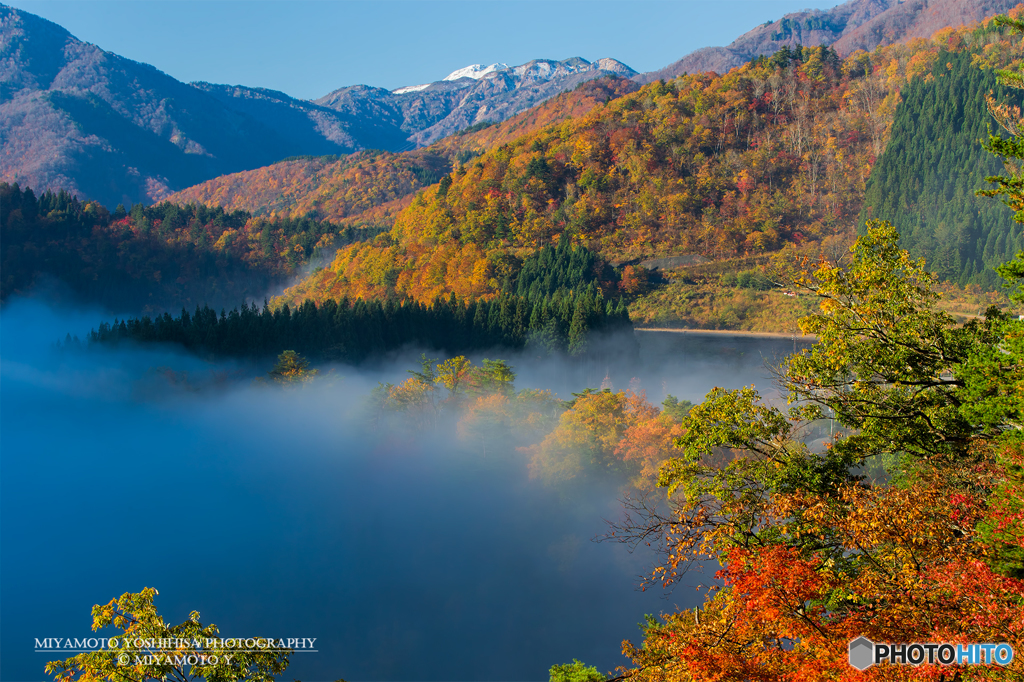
(469, 96)
(708, 165)
(310, 129)
(103, 127)
(76, 117)
(336, 188)
(854, 25)
(711, 172)
(107, 128)
(770, 157)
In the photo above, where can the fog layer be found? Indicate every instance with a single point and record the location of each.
(408, 556)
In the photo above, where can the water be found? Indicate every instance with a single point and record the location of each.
(408, 556)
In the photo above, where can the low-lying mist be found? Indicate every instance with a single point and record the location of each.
(407, 553)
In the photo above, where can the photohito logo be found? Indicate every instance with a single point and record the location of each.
(864, 653)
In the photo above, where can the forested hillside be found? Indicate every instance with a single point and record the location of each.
(552, 305)
(328, 187)
(706, 168)
(152, 258)
(772, 153)
(925, 182)
(164, 256)
(333, 188)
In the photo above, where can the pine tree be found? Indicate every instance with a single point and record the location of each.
(578, 330)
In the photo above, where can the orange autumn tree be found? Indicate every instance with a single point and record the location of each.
(585, 438)
(648, 438)
(605, 431)
(887, 532)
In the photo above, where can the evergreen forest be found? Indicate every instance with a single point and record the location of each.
(553, 306)
(926, 180)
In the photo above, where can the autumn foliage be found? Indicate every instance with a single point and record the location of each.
(905, 527)
(353, 186)
(327, 188)
(775, 152)
(605, 432)
(773, 155)
(155, 257)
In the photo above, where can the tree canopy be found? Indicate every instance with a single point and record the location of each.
(905, 526)
(146, 648)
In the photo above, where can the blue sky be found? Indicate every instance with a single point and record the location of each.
(307, 48)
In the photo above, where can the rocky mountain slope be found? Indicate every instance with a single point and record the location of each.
(851, 26)
(471, 95)
(74, 116)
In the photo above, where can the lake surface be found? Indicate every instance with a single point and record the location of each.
(406, 555)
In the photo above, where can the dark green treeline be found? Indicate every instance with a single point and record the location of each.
(354, 331)
(556, 268)
(924, 183)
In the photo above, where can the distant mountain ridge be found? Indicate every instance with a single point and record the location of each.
(851, 26)
(76, 117)
(104, 127)
(470, 95)
(377, 185)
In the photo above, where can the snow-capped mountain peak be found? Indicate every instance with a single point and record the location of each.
(475, 71)
(535, 71)
(411, 88)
